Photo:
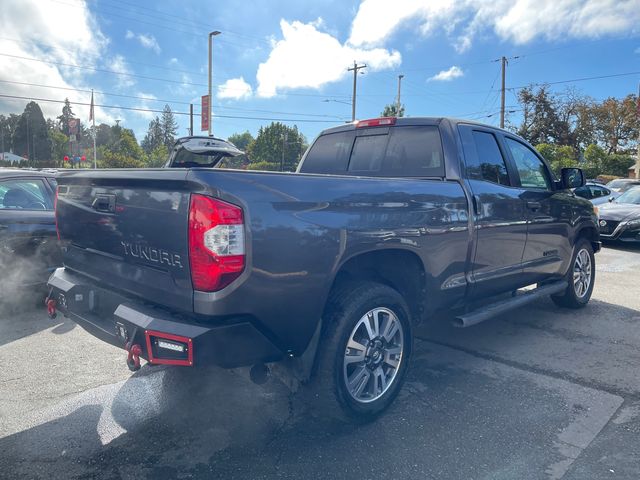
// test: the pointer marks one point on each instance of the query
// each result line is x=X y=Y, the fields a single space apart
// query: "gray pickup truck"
x=326 y=270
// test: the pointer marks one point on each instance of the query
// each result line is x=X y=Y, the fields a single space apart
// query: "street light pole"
x=211 y=35
x=354 y=69
x=400 y=77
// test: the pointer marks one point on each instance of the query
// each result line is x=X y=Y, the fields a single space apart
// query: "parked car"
x=622 y=184
x=595 y=193
x=28 y=243
x=620 y=219
x=326 y=270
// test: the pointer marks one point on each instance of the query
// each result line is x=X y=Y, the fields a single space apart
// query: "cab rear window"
x=402 y=151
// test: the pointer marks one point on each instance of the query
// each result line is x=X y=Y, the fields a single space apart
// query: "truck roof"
x=412 y=121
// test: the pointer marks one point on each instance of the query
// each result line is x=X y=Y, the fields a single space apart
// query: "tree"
x=31 y=138
x=104 y=135
x=169 y=127
x=158 y=157
x=558 y=156
x=616 y=123
x=242 y=141
x=59 y=147
x=67 y=114
x=272 y=141
x=154 y=137
x=124 y=152
x=391 y=110
x=7 y=128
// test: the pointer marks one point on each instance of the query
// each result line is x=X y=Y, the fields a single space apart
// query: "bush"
x=274 y=167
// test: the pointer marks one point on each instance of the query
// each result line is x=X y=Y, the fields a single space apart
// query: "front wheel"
x=364 y=353
x=581 y=278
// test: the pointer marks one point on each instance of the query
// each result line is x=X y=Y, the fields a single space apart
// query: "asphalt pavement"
x=537 y=393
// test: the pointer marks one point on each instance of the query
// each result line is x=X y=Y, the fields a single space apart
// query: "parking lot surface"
x=537 y=393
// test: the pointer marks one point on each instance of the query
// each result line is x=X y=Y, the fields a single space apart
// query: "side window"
x=329 y=154
x=367 y=154
x=24 y=194
x=532 y=172
x=584 y=192
x=414 y=152
x=490 y=164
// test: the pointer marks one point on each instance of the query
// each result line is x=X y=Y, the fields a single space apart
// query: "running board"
x=493 y=309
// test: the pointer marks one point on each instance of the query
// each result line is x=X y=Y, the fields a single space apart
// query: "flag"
x=91 y=108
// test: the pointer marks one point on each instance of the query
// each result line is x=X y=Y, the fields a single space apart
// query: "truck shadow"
x=21 y=319
x=211 y=423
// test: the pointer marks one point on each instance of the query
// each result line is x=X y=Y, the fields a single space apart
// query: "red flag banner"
x=205 y=115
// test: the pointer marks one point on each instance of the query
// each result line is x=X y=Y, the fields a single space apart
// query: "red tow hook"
x=51 y=307
x=133 y=356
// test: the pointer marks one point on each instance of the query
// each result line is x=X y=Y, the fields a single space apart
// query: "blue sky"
x=288 y=59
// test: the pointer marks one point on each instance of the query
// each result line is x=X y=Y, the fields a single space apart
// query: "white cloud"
x=519 y=21
x=147 y=41
x=118 y=64
x=309 y=58
x=447 y=75
x=46 y=40
x=144 y=104
x=235 y=88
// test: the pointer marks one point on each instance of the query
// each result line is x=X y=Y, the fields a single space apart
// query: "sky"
x=287 y=60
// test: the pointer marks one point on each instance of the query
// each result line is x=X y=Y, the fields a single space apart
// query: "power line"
x=160 y=100
x=138 y=109
x=161 y=67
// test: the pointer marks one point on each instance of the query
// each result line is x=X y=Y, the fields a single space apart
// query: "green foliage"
x=59 y=147
x=391 y=110
x=242 y=141
x=124 y=152
x=272 y=141
x=558 y=156
x=616 y=164
x=274 y=167
x=154 y=137
x=67 y=114
x=31 y=137
x=168 y=127
x=158 y=157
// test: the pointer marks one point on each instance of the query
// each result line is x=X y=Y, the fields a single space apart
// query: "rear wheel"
x=581 y=278
x=364 y=353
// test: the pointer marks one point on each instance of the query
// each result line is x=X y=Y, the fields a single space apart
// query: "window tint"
x=368 y=153
x=23 y=194
x=329 y=153
x=489 y=164
x=584 y=192
x=414 y=152
x=532 y=172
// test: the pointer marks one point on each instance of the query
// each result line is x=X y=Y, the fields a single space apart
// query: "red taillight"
x=55 y=211
x=376 y=122
x=216 y=243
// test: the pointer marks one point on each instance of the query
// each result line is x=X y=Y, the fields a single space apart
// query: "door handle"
x=534 y=205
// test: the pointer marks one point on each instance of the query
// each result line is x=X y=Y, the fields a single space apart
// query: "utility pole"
x=34 y=148
x=285 y=138
x=504 y=67
x=191 y=119
x=400 y=77
x=638 y=122
x=28 y=152
x=354 y=69
x=211 y=35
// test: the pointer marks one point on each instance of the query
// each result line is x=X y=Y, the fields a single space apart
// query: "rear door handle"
x=534 y=205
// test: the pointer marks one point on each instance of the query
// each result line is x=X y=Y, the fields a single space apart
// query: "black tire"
x=572 y=296
x=347 y=308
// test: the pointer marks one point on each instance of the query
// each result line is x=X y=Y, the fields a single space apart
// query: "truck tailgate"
x=130 y=232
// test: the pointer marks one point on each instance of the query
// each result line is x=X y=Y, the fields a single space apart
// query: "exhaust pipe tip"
x=259 y=374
